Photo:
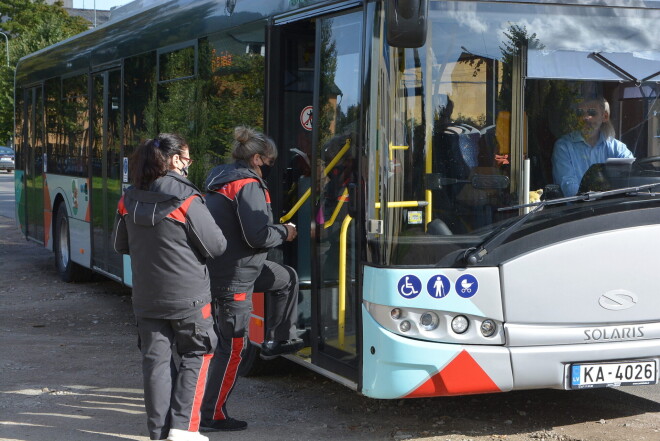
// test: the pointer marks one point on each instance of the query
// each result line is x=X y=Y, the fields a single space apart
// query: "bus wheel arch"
x=68 y=270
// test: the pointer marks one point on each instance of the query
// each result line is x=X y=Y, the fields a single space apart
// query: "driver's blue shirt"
x=572 y=157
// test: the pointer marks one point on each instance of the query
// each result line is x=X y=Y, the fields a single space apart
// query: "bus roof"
x=160 y=23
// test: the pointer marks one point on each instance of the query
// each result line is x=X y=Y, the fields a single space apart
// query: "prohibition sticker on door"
x=629 y=373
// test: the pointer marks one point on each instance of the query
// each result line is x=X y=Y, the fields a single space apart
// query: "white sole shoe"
x=184 y=435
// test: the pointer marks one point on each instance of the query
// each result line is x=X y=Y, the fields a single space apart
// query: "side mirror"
x=406 y=22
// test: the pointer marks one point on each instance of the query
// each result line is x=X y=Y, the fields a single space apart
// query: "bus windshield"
x=508 y=105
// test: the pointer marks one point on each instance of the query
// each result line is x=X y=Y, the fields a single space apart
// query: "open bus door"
x=313 y=114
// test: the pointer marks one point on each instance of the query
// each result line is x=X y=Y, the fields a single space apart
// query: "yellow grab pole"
x=327 y=169
x=336 y=159
x=341 y=314
x=335 y=213
x=296 y=207
x=428 y=168
x=403 y=204
x=428 y=113
x=396 y=147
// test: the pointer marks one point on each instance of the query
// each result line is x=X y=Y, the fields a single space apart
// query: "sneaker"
x=184 y=435
x=226 y=425
x=270 y=348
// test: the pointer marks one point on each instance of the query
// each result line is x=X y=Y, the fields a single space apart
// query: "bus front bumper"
x=400 y=367
x=537 y=367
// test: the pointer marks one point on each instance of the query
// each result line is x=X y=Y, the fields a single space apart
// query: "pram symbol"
x=467 y=285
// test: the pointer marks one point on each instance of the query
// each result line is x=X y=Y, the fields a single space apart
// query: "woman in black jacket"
x=163 y=223
x=238 y=199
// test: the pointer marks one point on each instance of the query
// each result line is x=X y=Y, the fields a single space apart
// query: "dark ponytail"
x=150 y=161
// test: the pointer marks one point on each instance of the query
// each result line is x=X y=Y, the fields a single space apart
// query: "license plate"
x=631 y=373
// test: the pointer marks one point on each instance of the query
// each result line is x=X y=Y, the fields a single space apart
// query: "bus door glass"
x=21 y=160
x=106 y=167
x=335 y=172
x=35 y=166
x=318 y=134
x=291 y=126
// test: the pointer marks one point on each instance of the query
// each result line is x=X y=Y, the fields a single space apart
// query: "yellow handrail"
x=428 y=168
x=296 y=207
x=403 y=204
x=341 y=313
x=396 y=147
x=327 y=169
x=335 y=213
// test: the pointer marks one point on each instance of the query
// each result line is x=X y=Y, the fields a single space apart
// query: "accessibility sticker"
x=438 y=286
x=409 y=286
x=467 y=285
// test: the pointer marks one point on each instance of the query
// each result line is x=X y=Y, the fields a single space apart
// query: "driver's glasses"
x=588 y=112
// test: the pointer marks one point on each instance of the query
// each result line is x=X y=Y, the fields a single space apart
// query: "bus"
x=441 y=249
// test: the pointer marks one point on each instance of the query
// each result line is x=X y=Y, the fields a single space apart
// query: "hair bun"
x=243 y=134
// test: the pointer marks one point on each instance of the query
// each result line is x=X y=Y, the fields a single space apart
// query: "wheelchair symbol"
x=409 y=286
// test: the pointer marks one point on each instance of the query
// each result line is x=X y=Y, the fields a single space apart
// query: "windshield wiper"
x=477 y=254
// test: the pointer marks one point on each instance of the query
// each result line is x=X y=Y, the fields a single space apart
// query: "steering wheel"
x=648 y=160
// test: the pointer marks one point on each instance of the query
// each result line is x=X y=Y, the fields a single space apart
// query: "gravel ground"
x=70 y=370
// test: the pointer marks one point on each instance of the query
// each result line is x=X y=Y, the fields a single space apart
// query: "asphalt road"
x=7 y=194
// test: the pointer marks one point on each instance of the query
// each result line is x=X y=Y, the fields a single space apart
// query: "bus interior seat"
x=438 y=228
x=456 y=148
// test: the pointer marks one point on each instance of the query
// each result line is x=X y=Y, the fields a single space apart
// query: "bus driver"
x=594 y=143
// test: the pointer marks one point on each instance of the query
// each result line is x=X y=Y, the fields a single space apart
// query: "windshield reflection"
x=514 y=104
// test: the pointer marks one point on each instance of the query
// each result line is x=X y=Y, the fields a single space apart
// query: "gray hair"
x=249 y=142
x=606 y=128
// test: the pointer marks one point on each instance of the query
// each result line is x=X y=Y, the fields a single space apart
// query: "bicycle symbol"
x=409 y=286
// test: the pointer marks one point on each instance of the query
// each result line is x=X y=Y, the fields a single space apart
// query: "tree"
x=31 y=25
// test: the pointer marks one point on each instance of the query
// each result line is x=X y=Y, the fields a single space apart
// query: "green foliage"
x=30 y=25
x=329 y=89
x=516 y=43
x=204 y=110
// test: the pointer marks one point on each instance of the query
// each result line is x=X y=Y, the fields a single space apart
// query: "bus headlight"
x=437 y=325
x=429 y=321
x=460 y=324
x=488 y=328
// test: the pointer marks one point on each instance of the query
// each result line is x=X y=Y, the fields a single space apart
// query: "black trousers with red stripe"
x=173 y=394
x=232 y=315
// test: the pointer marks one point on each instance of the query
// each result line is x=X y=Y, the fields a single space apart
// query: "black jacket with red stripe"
x=239 y=201
x=169 y=234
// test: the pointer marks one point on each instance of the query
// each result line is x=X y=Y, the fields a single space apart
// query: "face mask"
x=184 y=170
x=265 y=170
